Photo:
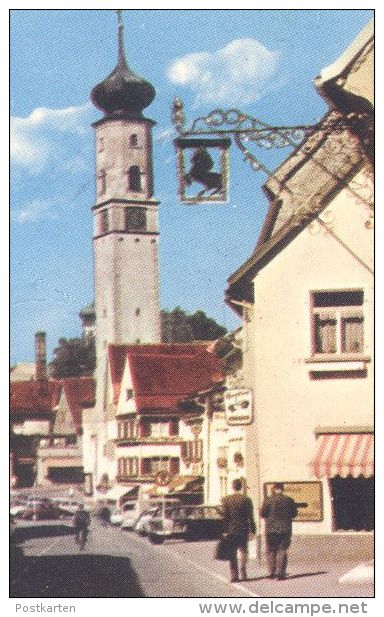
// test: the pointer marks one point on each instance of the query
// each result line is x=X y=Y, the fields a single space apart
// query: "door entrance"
x=353 y=503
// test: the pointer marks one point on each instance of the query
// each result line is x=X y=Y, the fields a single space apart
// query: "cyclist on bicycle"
x=81 y=522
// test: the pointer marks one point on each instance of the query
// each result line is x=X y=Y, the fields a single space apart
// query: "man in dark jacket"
x=81 y=522
x=239 y=523
x=278 y=511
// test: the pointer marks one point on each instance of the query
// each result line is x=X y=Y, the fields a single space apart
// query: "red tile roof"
x=34 y=398
x=164 y=374
x=80 y=393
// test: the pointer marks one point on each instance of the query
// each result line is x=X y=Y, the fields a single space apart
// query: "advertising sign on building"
x=307 y=495
x=238 y=405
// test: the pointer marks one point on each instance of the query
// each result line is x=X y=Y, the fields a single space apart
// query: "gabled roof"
x=163 y=374
x=80 y=394
x=314 y=173
x=299 y=190
x=34 y=399
x=361 y=45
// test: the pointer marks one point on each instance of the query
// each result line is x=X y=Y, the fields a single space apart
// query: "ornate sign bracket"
x=247 y=130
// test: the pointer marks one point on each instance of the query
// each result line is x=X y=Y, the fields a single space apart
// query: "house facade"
x=306 y=298
x=149 y=440
x=60 y=453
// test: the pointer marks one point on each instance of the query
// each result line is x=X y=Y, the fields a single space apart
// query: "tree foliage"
x=75 y=357
x=178 y=326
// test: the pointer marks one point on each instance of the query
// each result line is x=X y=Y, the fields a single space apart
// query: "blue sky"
x=260 y=61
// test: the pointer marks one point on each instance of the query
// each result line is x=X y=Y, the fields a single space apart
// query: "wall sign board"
x=238 y=405
x=309 y=493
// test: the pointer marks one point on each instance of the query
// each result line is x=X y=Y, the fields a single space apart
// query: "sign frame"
x=302 y=517
x=242 y=414
x=186 y=177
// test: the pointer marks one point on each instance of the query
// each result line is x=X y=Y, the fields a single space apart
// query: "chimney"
x=41 y=357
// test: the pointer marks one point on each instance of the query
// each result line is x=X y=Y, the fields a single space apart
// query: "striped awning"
x=344 y=454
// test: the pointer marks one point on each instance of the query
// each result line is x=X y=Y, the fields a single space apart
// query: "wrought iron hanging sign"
x=203 y=169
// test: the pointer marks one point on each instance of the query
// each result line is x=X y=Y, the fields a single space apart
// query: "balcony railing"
x=63 y=451
x=150 y=439
x=136 y=478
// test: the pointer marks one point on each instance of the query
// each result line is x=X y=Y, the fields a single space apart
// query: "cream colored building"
x=306 y=297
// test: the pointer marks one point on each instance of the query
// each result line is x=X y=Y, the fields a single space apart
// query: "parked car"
x=116 y=517
x=67 y=506
x=132 y=510
x=131 y=513
x=17 y=505
x=188 y=522
x=37 y=510
x=141 y=525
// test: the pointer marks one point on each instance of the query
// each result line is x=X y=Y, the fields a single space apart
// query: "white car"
x=130 y=514
x=17 y=506
x=141 y=525
x=117 y=516
x=69 y=506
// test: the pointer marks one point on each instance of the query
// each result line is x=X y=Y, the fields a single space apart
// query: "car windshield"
x=129 y=506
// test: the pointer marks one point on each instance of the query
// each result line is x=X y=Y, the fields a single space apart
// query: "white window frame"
x=340 y=314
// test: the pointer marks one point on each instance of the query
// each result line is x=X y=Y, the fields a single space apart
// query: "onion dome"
x=123 y=93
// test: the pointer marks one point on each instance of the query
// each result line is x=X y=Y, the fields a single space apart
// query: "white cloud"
x=35 y=210
x=35 y=139
x=239 y=73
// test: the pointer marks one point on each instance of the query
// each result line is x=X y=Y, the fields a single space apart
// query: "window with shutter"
x=174 y=466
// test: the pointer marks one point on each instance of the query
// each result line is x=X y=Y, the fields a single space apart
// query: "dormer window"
x=134 y=179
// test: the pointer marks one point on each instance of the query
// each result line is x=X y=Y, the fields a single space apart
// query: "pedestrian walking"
x=104 y=514
x=239 y=526
x=278 y=510
x=81 y=523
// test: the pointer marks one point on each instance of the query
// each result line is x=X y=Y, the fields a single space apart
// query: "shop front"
x=346 y=461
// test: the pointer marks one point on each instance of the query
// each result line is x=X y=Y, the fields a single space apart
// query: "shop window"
x=338 y=322
x=134 y=179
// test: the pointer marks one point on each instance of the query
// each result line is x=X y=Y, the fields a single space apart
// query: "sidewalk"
x=335 y=565
x=315 y=566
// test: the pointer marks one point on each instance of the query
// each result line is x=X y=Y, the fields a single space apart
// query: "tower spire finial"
x=121 y=55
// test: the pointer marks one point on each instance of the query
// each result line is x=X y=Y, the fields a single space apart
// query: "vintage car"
x=141 y=526
x=37 y=510
x=188 y=522
x=68 y=507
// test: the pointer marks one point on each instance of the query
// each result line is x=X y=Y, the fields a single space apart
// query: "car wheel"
x=156 y=539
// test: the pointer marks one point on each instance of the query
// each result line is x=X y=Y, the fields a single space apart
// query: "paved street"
x=117 y=563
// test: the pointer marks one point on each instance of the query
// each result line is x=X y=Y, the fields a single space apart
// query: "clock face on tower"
x=135 y=219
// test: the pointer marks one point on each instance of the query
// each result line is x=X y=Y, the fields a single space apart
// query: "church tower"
x=125 y=213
